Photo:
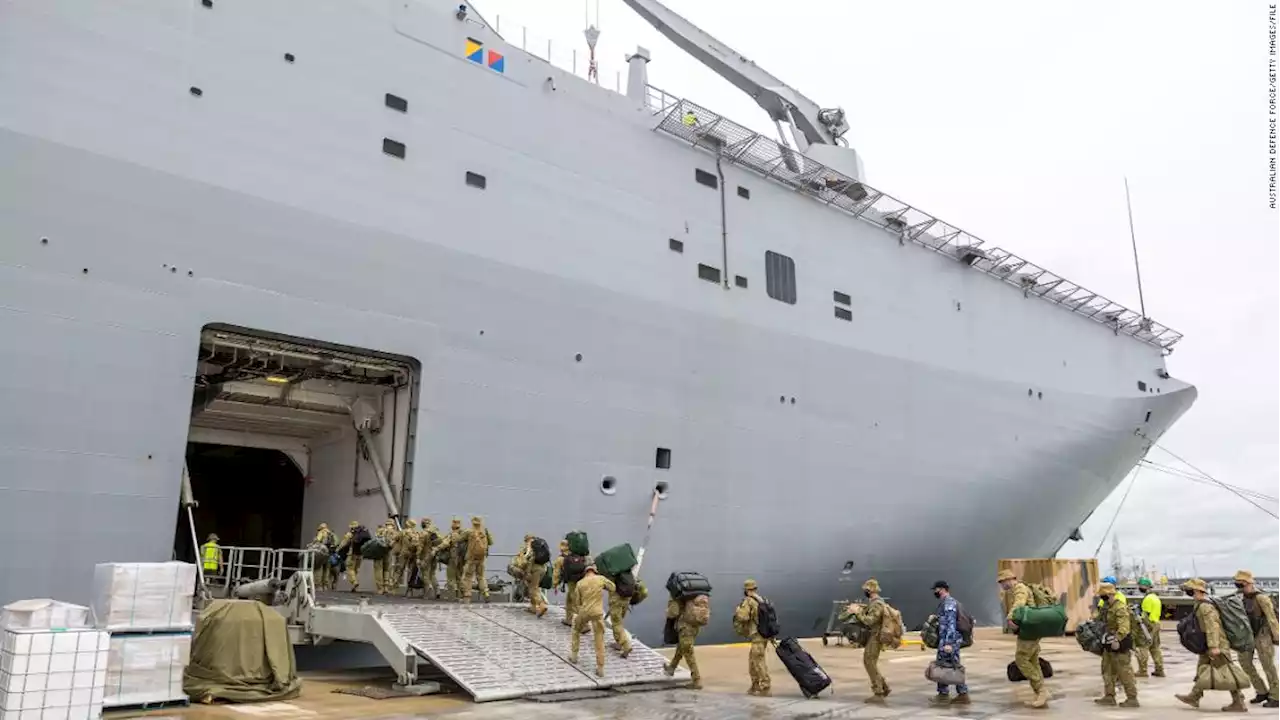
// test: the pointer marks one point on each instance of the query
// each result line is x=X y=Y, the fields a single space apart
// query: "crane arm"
x=818 y=126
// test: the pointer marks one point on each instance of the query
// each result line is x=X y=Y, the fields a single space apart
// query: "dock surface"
x=1076 y=681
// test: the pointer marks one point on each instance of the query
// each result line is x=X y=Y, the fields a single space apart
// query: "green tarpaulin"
x=241 y=652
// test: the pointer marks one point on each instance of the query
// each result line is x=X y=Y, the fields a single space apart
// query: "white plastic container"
x=145 y=669
x=143 y=596
x=44 y=614
x=53 y=674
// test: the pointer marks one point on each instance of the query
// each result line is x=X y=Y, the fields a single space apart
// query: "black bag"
x=1192 y=636
x=415 y=578
x=687 y=584
x=626 y=584
x=964 y=623
x=810 y=676
x=545 y=582
x=359 y=536
x=1015 y=674
x=541 y=553
x=575 y=566
x=669 y=634
x=766 y=619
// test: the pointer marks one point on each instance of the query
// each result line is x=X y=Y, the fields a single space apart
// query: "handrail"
x=746 y=148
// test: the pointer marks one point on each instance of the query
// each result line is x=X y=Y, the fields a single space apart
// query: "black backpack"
x=541 y=553
x=766 y=619
x=1192 y=636
x=359 y=536
x=626 y=584
x=964 y=624
x=575 y=566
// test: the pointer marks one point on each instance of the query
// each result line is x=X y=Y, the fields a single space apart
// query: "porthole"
x=609 y=485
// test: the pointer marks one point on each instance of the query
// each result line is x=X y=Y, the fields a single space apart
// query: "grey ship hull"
x=924 y=441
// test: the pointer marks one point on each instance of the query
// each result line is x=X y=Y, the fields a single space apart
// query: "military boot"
x=960 y=699
x=599 y=671
x=1191 y=700
x=1158 y=673
x=1271 y=703
x=1108 y=700
x=1237 y=704
x=1258 y=699
x=876 y=699
x=668 y=669
x=941 y=699
x=1040 y=700
x=697 y=681
x=1130 y=702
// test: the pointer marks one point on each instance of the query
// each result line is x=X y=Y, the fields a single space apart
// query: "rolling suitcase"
x=810 y=676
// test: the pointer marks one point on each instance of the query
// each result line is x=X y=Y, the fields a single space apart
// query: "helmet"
x=213 y=538
x=1144 y=582
x=1110 y=579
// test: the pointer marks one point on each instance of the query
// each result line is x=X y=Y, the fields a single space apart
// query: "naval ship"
x=432 y=274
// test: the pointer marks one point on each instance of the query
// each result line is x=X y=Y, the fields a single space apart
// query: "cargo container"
x=1074 y=581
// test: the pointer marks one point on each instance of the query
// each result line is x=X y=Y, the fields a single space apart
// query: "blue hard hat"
x=1110 y=579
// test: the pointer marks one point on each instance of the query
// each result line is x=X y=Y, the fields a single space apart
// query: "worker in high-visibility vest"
x=211 y=555
x=1151 y=612
x=689 y=119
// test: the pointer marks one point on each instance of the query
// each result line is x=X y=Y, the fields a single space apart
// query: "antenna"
x=1133 y=238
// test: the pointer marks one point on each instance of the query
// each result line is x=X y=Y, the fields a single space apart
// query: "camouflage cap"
x=1243 y=576
x=354 y=524
x=456 y=522
x=409 y=523
x=590 y=568
x=1144 y=582
x=871 y=586
x=322 y=526
x=475 y=520
x=749 y=584
x=528 y=537
x=564 y=545
x=1005 y=574
x=1195 y=584
x=1106 y=589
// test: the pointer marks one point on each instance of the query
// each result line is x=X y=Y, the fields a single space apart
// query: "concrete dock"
x=1075 y=683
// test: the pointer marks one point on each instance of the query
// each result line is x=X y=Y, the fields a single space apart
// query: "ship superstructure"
x=379 y=239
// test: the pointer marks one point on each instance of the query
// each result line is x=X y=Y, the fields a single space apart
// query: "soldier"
x=591 y=589
x=406 y=554
x=691 y=615
x=478 y=540
x=1027 y=654
x=1115 y=653
x=1262 y=620
x=533 y=573
x=388 y=534
x=325 y=573
x=558 y=579
x=350 y=550
x=949 y=640
x=516 y=569
x=871 y=615
x=1215 y=638
x=452 y=558
x=746 y=622
x=1151 y=611
x=427 y=563
x=618 y=608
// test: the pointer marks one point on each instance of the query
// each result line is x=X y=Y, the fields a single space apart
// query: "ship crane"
x=818 y=132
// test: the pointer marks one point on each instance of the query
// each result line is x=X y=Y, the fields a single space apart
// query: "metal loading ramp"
x=500 y=652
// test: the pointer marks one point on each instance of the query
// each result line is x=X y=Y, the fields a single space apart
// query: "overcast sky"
x=1017 y=121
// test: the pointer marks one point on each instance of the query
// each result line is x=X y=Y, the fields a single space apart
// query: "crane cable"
x=1211 y=478
x=1187 y=475
x=1117 y=513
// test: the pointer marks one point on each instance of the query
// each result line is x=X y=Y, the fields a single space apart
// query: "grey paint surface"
x=996 y=428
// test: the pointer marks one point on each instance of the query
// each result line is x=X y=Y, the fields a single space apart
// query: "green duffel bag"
x=616 y=560
x=1035 y=623
x=375 y=549
x=578 y=544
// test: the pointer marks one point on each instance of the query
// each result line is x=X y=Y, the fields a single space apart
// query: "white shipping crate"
x=52 y=674
x=143 y=596
x=43 y=614
x=145 y=669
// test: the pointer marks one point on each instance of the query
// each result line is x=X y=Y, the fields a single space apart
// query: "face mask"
x=937 y=594
x=1190 y=593
x=866 y=593
x=1239 y=586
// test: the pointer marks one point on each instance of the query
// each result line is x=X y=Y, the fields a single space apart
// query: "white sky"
x=1017 y=121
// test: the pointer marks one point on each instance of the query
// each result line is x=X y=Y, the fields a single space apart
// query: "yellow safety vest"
x=210 y=552
x=1152 y=607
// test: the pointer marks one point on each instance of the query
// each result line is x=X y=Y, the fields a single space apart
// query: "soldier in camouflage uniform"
x=871 y=615
x=591 y=589
x=1216 y=639
x=1027 y=654
x=452 y=560
x=687 y=627
x=388 y=533
x=558 y=579
x=533 y=573
x=405 y=554
x=618 y=608
x=325 y=574
x=478 y=540
x=428 y=546
x=352 y=555
x=746 y=622
x=1116 y=666
x=1262 y=620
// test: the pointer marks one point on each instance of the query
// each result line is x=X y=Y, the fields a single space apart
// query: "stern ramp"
x=494 y=652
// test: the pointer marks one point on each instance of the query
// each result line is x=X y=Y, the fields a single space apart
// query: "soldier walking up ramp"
x=500 y=652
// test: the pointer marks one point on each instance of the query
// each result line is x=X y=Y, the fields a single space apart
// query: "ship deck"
x=327 y=696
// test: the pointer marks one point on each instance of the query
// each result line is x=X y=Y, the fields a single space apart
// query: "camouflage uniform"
x=352 y=555
x=533 y=574
x=452 y=565
x=405 y=553
x=1027 y=652
x=688 y=633
x=478 y=540
x=746 y=622
x=1116 y=667
x=1216 y=639
x=591 y=589
x=1262 y=615
x=871 y=615
x=428 y=546
x=324 y=573
x=558 y=579
x=388 y=533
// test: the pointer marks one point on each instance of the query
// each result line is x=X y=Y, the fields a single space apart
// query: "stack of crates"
x=147 y=609
x=52 y=664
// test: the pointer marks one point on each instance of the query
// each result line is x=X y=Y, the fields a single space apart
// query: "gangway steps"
x=500 y=652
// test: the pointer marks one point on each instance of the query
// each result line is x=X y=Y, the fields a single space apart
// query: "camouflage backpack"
x=891 y=627
x=478 y=545
x=697 y=611
x=1042 y=596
